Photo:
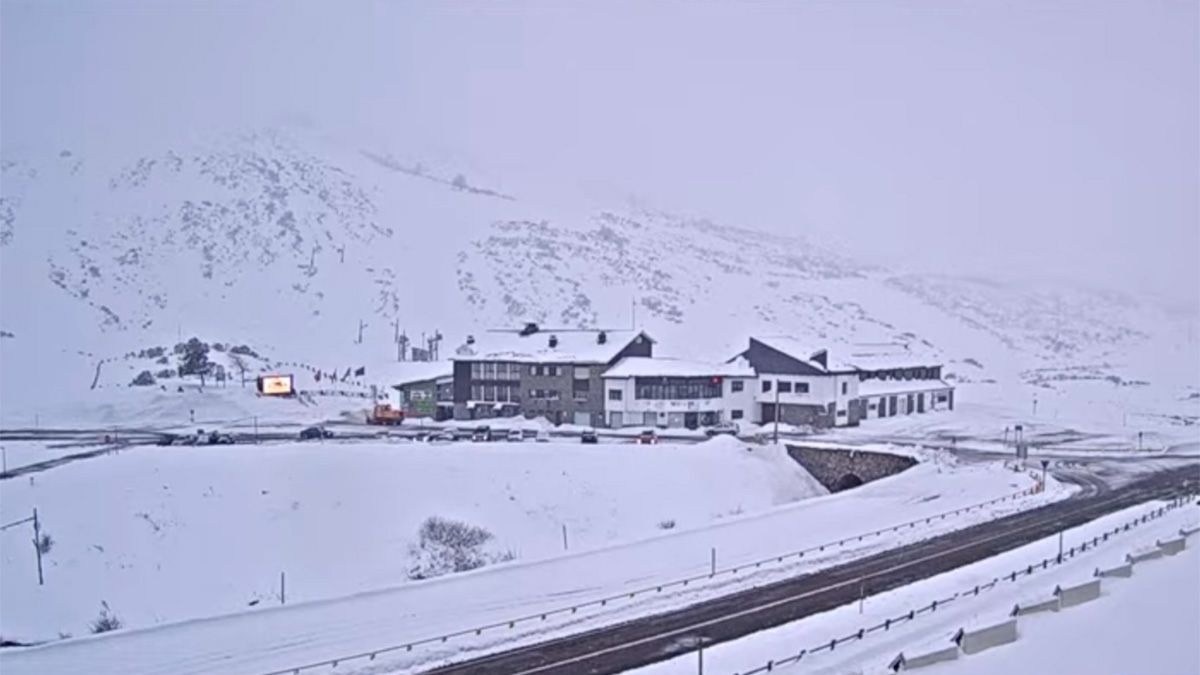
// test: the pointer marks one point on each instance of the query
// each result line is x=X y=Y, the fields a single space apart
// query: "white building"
x=676 y=393
x=808 y=387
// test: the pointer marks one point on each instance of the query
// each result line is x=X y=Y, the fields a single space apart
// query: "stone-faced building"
x=536 y=373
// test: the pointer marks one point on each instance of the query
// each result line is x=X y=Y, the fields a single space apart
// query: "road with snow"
x=656 y=638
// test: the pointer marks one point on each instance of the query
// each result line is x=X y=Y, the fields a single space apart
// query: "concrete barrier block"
x=1142 y=555
x=1035 y=606
x=1186 y=532
x=924 y=658
x=978 y=640
x=1172 y=546
x=1125 y=570
x=1069 y=596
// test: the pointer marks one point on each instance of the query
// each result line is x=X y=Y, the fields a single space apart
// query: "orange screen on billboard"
x=275 y=385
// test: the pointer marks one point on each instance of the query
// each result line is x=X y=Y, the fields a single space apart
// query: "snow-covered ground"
x=220 y=543
x=174 y=533
x=1146 y=623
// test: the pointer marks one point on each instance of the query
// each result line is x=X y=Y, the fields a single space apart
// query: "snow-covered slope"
x=286 y=239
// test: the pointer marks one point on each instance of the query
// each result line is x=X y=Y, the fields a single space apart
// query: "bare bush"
x=44 y=543
x=106 y=621
x=445 y=546
x=666 y=524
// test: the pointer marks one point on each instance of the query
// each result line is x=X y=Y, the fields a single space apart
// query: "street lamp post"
x=1045 y=463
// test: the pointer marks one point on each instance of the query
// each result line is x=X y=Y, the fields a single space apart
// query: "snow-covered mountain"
x=287 y=240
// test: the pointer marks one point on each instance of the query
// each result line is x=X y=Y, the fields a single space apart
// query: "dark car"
x=462 y=434
x=315 y=433
x=589 y=436
x=482 y=434
x=647 y=437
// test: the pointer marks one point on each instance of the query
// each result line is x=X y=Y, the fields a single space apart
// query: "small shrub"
x=243 y=350
x=445 y=546
x=667 y=525
x=106 y=621
x=144 y=379
x=45 y=543
x=165 y=373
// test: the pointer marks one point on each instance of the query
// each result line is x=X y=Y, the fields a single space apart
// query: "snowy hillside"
x=286 y=240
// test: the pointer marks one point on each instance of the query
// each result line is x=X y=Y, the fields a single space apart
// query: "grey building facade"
x=556 y=375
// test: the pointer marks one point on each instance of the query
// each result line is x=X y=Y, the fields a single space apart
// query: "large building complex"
x=611 y=378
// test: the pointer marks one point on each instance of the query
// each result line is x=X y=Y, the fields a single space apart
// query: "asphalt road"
x=656 y=638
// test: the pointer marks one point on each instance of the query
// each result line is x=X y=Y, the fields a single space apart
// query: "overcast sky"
x=1023 y=138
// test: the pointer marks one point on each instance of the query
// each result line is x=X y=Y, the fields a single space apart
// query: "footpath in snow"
x=286 y=637
x=1143 y=623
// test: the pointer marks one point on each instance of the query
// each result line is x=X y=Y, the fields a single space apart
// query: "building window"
x=615 y=394
x=476 y=392
x=476 y=370
x=801 y=387
x=676 y=388
x=582 y=372
x=785 y=387
x=736 y=385
x=841 y=413
x=735 y=414
x=533 y=370
x=766 y=386
x=845 y=388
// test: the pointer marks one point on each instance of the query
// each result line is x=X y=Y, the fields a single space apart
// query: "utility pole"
x=1035 y=404
x=1045 y=463
x=37 y=545
x=862 y=594
x=1060 y=538
x=282 y=589
x=4 y=459
x=713 y=564
x=361 y=325
x=776 y=412
x=256 y=429
x=564 y=531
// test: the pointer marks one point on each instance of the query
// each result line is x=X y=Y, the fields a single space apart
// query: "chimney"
x=601 y=338
x=821 y=357
x=553 y=341
x=470 y=339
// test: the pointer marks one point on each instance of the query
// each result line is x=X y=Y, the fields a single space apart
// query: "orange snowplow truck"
x=385 y=414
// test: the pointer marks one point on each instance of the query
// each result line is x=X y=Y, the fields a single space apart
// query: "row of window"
x=786 y=387
x=490 y=370
x=675 y=388
x=921 y=373
x=498 y=393
x=493 y=370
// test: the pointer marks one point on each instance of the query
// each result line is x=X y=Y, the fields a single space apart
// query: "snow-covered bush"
x=45 y=543
x=667 y=524
x=445 y=546
x=144 y=379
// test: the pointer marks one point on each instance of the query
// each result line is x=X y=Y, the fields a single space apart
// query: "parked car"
x=543 y=436
x=515 y=436
x=216 y=438
x=167 y=439
x=589 y=436
x=647 y=437
x=724 y=428
x=530 y=434
x=446 y=436
x=481 y=434
x=315 y=433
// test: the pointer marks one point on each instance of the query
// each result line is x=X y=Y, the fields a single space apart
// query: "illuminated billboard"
x=275 y=385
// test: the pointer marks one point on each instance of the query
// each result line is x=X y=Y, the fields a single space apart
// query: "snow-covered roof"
x=804 y=352
x=639 y=366
x=576 y=346
x=887 y=361
x=887 y=387
x=400 y=373
x=852 y=359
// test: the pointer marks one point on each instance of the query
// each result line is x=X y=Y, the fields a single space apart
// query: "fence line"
x=731 y=570
x=1028 y=570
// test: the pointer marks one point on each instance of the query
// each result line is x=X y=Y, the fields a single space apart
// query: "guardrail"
x=933 y=606
x=730 y=571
